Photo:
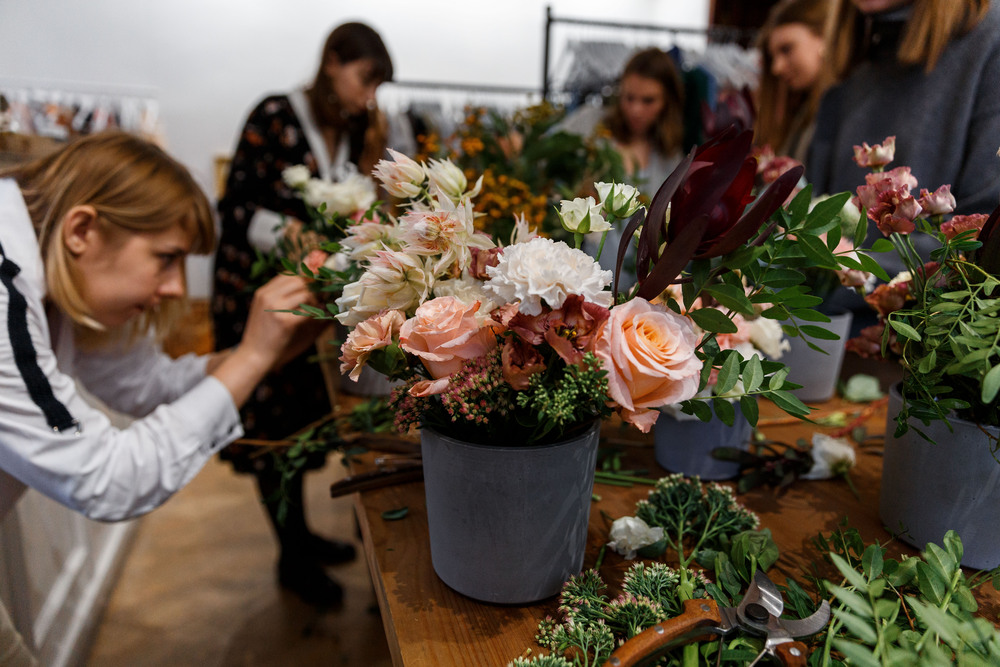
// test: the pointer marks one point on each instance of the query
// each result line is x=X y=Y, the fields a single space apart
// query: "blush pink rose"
x=376 y=332
x=444 y=333
x=649 y=354
x=315 y=259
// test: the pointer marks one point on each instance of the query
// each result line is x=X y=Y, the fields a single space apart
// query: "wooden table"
x=426 y=623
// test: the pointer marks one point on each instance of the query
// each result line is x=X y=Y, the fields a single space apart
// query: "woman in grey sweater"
x=926 y=72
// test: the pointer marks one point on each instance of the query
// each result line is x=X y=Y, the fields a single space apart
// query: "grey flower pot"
x=815 y=371
x=685 y=445
x=508 y=524
x=952 y=484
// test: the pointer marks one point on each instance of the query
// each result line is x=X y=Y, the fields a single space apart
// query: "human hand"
x=270 y=331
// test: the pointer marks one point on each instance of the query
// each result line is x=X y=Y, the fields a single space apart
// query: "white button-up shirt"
x=183 y=416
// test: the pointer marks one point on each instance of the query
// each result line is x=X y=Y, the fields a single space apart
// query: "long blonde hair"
x=930 y=27
x=134 y=186
x=782 y=112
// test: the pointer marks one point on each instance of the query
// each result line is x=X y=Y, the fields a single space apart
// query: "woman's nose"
x=173 y=286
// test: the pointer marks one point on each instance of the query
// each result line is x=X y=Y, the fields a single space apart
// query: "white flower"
x=296 y=176
x=394 y=281
x=901 y=277
x=831 y=456
x=364 y=239
x=338 y=261
x=353 y=194
x=446 y=177
x=618 y=199
x=630 y=533
x=401 y=176
x=767 y=336
x=521 y=233
x=582 y=216
x=546 y=270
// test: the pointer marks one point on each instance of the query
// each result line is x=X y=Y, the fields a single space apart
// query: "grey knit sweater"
x=946 y=122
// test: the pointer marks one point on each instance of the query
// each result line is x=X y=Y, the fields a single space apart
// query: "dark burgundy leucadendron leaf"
x=708 y=195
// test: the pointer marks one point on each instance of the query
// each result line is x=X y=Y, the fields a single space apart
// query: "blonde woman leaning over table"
x=92 y=243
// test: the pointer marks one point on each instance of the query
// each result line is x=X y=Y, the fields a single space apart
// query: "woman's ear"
x=79 y=229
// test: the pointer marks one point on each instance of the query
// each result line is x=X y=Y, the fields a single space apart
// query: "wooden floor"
x=199 y=585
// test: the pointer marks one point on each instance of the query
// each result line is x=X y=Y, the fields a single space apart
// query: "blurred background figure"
x=793 y=76
x=926 y=72
x=334 y=127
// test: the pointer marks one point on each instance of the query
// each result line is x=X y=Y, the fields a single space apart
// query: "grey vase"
x=950 y=484
x=815 y=371
x=685 y=445
x=508 y=524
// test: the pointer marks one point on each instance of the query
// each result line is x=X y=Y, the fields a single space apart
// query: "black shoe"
x=311 y=583
x=330 y=552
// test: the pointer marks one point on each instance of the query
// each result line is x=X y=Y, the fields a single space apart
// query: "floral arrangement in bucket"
x=938 y=317
x=524 y=343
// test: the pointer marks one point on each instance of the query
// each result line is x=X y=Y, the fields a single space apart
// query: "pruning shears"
x=758 y=613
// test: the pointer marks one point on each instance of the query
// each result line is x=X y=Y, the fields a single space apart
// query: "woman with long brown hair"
x=794 y=74
x=333 y=126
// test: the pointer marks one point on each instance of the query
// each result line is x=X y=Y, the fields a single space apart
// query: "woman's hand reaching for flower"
x=272 y=335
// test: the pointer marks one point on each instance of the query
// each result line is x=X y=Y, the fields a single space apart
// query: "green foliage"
x=917 y=611
x=564 y=396
x=949 y=341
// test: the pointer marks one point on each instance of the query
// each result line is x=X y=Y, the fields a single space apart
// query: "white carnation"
x=630 y=533
x=355 y=193
x=546 y=270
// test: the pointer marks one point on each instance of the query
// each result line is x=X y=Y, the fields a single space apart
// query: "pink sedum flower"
x=964 y=223
x=875 y=156
x=649 y=354
x=445 y=333
x=939 y=202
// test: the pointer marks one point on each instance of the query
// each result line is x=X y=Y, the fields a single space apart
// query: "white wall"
x=208 y=61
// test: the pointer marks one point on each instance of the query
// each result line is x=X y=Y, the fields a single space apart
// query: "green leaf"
x=809 y=315
x=872 y=561
x=872 y=266
x=905 y=330
x=729 y=374
x=700 y=410
x=827 y=212
x=882 y=245
x=991 y=384
x=798 y=208
x=713 y=320
x=854 y=578
x=724 y=410
x=932 y=584
x=396 y=514
x=788 y=402
x=941 y=560
x=852 y=600
x=731 y=297
x=861 y=231
x=858 y=627
x=856 y=653
x=779 y=278
x=818 y=332
x=753 y=374
x=817 y=251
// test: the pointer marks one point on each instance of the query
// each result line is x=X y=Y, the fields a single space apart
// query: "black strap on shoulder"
x=56 y=414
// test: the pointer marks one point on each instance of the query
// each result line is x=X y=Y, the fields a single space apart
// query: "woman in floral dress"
x=333 y=127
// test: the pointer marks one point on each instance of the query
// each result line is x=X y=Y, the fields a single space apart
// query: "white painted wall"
x=208 y=61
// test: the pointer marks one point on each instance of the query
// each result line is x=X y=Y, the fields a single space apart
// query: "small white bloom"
x=618 y=199
x=767 y=336
x=401 y=176
x=338 y=261
x=831 y=456
x=355 y=193
x=582 y=216
x=296 y=176
x=546 y=270
x=630 y=533
x=446 y=177
x=901 y=277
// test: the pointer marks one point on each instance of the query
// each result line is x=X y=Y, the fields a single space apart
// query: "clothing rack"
x=711 y=34
x=60 y=110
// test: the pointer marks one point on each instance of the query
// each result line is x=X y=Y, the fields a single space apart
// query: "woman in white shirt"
x=92 y=246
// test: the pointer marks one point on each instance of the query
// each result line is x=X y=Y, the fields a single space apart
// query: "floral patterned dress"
x=273 y=138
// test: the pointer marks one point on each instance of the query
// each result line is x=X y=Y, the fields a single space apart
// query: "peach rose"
x=649 y=353
x=445 y=334
x=374 y=333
